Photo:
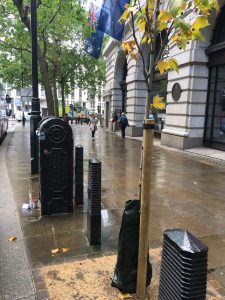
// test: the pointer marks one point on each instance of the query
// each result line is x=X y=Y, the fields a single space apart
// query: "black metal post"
x=79 y=189
x=94 y=203
x=35 y=108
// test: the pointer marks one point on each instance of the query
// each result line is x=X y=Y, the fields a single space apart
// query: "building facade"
x=22 y=98
x=195 y=110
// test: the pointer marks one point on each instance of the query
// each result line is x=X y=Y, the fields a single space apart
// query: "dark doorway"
x=124 y=88
x=214 y=133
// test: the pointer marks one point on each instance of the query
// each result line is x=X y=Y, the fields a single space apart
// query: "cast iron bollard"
x=94 y=203
x=183 y=272
x=56 y=166
x=79 y=190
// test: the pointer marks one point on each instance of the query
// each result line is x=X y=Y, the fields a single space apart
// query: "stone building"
x=195 y=111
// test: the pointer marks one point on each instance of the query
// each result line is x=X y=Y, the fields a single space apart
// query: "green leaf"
x=176 y=7
x=181 y=24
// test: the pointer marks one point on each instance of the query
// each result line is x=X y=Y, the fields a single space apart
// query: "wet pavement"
x=186 y=193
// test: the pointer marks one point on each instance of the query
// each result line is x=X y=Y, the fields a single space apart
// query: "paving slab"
x=15 y=275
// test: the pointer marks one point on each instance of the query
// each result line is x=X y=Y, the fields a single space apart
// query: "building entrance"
x=214 y=134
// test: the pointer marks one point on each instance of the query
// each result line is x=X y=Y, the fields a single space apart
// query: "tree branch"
x=138 y=46
x=53 y=17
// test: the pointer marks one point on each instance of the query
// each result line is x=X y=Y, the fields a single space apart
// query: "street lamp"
x=35 y=106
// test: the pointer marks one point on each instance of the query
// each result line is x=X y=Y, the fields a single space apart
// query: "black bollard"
x=79 y=190
x=183 y=273
x=94 y=203
x=55 y=166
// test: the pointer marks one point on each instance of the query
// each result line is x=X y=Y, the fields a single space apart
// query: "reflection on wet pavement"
x=186 y=193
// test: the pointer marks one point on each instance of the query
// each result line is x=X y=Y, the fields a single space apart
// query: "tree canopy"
x=62 y=30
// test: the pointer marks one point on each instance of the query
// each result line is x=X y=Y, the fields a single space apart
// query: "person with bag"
x=93 y=126
x=114 y=120
x=123 y=124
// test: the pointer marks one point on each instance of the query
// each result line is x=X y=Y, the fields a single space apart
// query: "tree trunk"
x=46 y=82
x=56 y=103
x=23 y=12
x=145 y=180
x=63 y=98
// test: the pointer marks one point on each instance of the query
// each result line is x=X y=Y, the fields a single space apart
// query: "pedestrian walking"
x=114 y=120
x=123 y=124
x=93 y=126
x=23 y=119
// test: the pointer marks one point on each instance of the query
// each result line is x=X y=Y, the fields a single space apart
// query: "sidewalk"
x=186 y=193
x=15 y=275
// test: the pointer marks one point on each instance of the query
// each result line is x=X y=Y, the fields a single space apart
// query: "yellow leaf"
x=54 y=251
x=125 y=296
x=200 y=22
x=215 y=4
x=12 y=238
x=175 y=37
x=157 y=102
x=196 y=35
x=125 y=16
x=173 y=65
x=144 y=40
x=164 y=16
x=128 y=46
x=64 y=250
x=142 y=24
x=151 y=4
x=149 y=40
x=206 y=6
x=162 y=66
x=161 y=26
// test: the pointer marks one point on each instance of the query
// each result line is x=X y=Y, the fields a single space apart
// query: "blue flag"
x=111 y=12
x=93 y=44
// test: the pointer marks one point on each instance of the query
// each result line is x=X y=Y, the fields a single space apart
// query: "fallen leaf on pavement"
x=64 y=250
x=55 y=250
x=125 y=296
x=12 y=238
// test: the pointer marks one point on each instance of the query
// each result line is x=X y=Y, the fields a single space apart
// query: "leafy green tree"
x=62 y=29
x=171 y=27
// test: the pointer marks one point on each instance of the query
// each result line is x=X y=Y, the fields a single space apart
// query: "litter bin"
x=55 y=166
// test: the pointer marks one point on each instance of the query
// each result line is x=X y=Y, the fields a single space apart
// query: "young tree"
x=177 y=25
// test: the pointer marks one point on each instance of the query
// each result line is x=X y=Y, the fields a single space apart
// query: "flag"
x=93 y=44
x=110 y=14
x=93 y=16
